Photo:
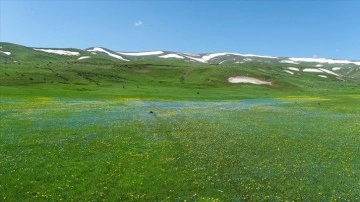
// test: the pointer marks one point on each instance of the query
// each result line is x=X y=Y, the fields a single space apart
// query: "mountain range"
x=322 y=67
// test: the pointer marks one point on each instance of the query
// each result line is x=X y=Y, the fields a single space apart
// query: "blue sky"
x=301 y=28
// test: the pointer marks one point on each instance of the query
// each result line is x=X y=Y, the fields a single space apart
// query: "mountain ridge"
x=324 y=67
x=206 y=55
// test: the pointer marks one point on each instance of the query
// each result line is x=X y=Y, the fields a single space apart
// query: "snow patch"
x=324 y=60
x=142 y=53
x=197 y=59
x=290 y=72
x=252 y=55
x=330 y=72
x=319 y=65
x=213 y=55
x=289 y=62
x=59 y=52
x=311 y=70
x=323 y=76
x=222 y=62
x=336 y=68
x=6 y=53
x=172 y=55
x=244 y=79
x=83 y=57
x=294 y=68
x=107 y=52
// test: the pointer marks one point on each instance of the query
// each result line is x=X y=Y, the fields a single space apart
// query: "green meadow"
x=168 y=130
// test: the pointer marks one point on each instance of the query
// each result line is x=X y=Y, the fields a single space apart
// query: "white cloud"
x=138 y=23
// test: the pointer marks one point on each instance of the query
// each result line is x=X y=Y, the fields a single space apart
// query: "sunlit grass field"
x=167 y=130
x=274 y=149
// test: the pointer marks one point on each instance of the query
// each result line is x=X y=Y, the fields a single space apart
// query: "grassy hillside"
x=160 y=79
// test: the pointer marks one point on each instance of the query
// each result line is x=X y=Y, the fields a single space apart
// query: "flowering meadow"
x=283 y=149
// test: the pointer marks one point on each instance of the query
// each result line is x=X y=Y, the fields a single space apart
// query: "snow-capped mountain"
x=323 y=67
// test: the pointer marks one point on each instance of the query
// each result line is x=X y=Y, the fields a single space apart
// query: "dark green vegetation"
x=81 y=130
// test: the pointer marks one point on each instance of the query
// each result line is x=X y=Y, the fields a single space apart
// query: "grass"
x=82 y=131
x=95 y=150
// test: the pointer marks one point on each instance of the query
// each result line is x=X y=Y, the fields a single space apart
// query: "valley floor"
x=169 y=130
x=302 y=148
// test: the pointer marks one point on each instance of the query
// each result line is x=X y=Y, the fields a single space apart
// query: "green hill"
x=101 y=75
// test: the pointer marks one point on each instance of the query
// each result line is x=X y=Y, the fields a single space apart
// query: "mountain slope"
x=315 y=68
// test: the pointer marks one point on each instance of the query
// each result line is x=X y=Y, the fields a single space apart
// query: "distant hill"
x=323 y=68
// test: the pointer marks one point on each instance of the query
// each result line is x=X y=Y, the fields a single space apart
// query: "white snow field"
x=83 y=57
x=197 y=59
x=312 y=70
x=205 y=58
x=289 y=62
x=336 y=68
x=172 y=55
x=97 y=49
x=244 y=79
x=330 y=72
x=214 y=55
x=324 y=60
x=6 y=53
x=293 y=68
x=146 y=53
x=290 y=72
x=59 y=52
